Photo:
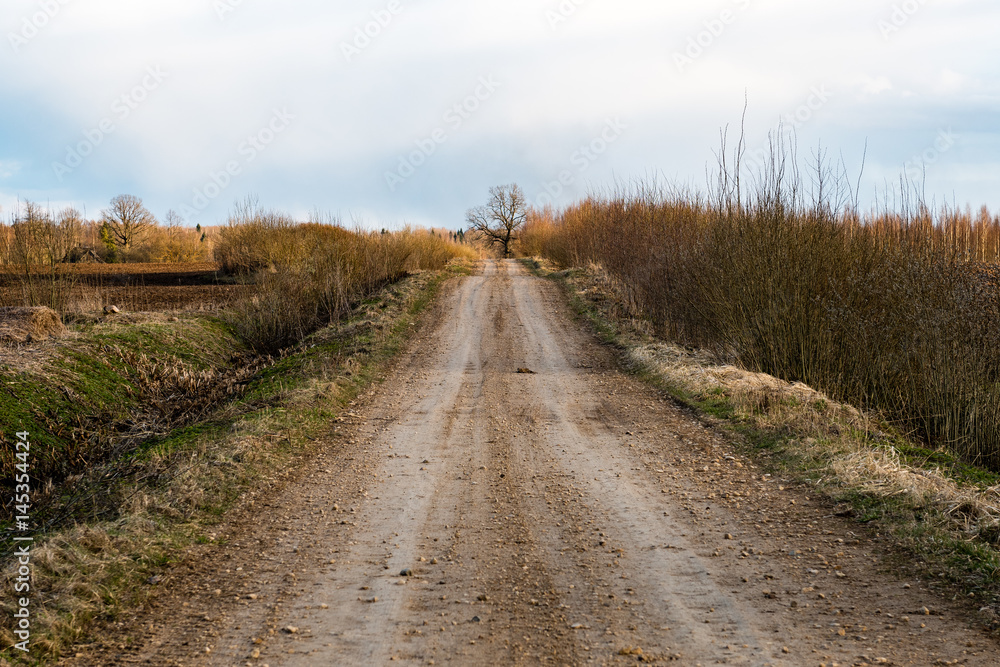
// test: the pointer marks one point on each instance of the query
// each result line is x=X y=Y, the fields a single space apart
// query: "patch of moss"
x=718 y=407
x=951 y=465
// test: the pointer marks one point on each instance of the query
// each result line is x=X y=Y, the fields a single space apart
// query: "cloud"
x=357 y=116
x=8 y=168
x=875 y=85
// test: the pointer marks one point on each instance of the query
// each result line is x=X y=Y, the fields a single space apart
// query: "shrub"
x=302 y=276
x=895 y=311
x=172 y=244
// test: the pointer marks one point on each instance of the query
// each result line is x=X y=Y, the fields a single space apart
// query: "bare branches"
x=127 y=220
x=499 y=220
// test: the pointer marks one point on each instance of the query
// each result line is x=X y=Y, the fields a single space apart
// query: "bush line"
x=892 y=312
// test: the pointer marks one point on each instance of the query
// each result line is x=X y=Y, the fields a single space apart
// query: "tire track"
x=509 y=498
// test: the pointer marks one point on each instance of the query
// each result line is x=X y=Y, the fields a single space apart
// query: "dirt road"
x=472 y=514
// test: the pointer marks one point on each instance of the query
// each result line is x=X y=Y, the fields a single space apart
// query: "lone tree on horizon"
x=500 y=219
x=127 y=220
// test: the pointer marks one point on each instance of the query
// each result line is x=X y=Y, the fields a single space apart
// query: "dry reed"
x=895 y=312
x=303 y=276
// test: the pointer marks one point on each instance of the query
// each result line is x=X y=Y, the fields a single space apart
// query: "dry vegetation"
x=307 y=275
x=943 y=515
x=895 y=312
x=38 y=237
x=99 y=395
x=73 y=265
x=193 y=439
x=281 y=278
x=775 y=310
x=146 y=424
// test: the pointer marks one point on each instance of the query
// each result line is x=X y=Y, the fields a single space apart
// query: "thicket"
x=894 y=310
x=39 y=247
x=298 y=276
x=40 y=237
x=303 y=275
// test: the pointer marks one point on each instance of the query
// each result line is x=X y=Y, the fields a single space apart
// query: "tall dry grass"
x=302 y=276
x=895 y=311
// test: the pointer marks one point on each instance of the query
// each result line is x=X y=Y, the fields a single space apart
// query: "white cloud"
x=353 y=119
x=875 y=85
x=8 y=168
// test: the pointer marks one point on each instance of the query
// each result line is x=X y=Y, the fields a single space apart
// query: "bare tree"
x=127 y=220
x=70 y=234
x=501 y=218
x=174 y=219
x=33 y=249
x=32 y=232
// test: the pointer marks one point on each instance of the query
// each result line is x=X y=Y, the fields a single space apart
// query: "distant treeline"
x=126 y=231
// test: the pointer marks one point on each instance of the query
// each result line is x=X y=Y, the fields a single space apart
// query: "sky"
x=391 y=112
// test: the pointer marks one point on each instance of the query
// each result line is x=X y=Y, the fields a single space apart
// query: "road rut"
x=509 y=497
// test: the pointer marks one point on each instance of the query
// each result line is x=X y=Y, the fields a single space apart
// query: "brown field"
x=153 y=273
x=132 y=287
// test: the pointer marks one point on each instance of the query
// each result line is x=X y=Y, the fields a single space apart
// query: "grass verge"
x=176 y=487
x=942 y=515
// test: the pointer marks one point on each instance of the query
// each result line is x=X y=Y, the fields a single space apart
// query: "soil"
x=510 y=497
x=154 y=272
x=135 y=287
